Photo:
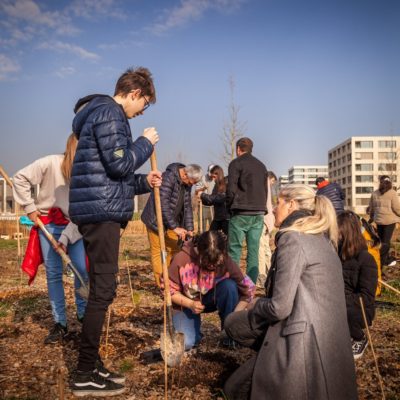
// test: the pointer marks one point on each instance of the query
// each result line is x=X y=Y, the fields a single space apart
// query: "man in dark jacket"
x=177 y=213
x=103 y=184
x=246 y=197
x=333 y=192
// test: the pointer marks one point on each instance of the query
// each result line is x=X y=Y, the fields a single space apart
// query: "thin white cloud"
x=7 y=67
x=93 y=9
x=190 y=10
x=30 y=12
x=69 y=48
x=63 y=72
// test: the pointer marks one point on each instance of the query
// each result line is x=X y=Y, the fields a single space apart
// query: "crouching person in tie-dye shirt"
x=203 y=279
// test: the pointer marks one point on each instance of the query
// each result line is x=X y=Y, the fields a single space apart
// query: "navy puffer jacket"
x=335 y=194
x=169 y=194
x=103 y=182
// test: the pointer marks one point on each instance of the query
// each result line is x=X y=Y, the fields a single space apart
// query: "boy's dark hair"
x=136 y=78
x=319 y=180
x=385 y=184
x=350 y=237
x=212 y=248
x=245 y=144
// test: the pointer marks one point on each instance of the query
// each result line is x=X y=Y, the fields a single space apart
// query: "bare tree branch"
x=233 y=129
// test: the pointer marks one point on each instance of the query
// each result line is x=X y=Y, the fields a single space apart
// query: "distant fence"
x=8 y=228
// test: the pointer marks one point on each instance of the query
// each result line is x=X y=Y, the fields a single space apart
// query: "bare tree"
x=233 y=129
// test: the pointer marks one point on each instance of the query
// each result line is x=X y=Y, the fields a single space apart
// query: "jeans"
x=223 y=298
x=54 y=273
x=249 y=227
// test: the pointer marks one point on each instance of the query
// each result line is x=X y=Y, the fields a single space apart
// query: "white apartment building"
x=283 y=180
x=307 y=174
x=357 y=163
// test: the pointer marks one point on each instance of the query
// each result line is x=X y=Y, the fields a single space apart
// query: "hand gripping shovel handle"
x=84 y=292
x=160 y=228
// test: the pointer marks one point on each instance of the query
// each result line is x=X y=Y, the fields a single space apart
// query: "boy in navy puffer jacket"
x=103 y=184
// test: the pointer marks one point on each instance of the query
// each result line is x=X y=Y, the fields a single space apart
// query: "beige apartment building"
x=357 y=163
x=307 y=174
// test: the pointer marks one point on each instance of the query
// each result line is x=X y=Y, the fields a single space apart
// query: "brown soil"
x=31 y=370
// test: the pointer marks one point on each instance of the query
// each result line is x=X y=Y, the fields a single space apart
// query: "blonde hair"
x=70 y=150
x=323 y=218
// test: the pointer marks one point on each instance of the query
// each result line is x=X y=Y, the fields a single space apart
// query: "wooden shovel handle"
x=160 y=228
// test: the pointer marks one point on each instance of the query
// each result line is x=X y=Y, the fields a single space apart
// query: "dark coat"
x=169 y=194
x=306 y=353
x=103 y=181
x=335 y=194
x=360 y=279
x=247 y=185
x=216 y=199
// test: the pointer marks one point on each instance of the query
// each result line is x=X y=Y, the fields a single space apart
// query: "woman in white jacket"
x=52 y=174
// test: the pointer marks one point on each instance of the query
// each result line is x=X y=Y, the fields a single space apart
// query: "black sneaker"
x=359 y=347
x=106 y=374
x=92 y=384
x=56 y=334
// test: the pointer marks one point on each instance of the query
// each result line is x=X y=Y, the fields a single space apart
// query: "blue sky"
x=308 y=74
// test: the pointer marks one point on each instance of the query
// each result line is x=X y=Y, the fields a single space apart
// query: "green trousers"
x=249 y=227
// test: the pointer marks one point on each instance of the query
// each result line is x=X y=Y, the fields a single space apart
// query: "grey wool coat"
x=306 y=353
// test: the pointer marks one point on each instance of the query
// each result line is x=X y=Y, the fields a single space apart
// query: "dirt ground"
x=31 y=370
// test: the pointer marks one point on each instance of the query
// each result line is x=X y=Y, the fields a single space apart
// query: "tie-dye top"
x=186 y=277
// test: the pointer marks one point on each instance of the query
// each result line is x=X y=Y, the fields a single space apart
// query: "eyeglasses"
x=146 y=104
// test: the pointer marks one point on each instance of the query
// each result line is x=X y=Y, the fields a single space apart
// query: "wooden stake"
x=389 y=286
x=372 y=347
x=60 y=382
x=9 y=183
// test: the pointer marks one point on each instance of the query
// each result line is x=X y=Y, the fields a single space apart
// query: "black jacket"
x=169 y=194
x=216 y=199
x=360 y=276
x=335 y=194
x=103 y=181
x=247 y=185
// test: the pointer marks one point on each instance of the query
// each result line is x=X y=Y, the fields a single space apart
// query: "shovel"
x=83 y=290
x=172 y=342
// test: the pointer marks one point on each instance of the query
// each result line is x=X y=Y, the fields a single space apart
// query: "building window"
x=387 y=156
x=338 y=150
x=348 y=157
x=338 y=161
x=344 y=181
x=364 y=144
x=343 y=159
x=343 y=170
x=386 y=144
x=362 y=202
x=334 y=163
x=349 y=169
x=387 y=167
x=364 y=178
x=365 y=167
x=364 y=189
x=364 y=156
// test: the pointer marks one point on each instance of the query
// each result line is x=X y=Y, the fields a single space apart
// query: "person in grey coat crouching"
x=300 y=328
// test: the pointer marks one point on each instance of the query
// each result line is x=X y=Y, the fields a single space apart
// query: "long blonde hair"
x=69 y=154
x=323 y=218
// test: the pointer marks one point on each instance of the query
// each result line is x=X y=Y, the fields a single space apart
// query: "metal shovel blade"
x=172 y=348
